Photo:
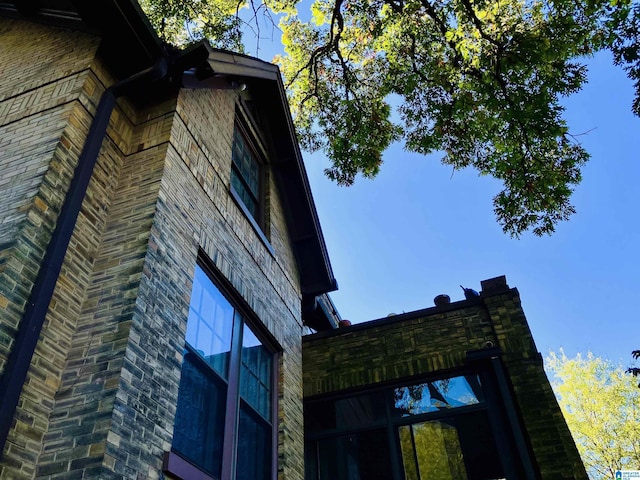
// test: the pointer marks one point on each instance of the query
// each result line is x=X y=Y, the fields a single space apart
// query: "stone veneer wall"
x=48 y=95
x=84 y=417
x=195 y=211
x=436 y=339
x=548 y=433
x=100 y=398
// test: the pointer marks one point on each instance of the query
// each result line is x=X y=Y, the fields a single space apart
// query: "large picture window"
x=224 y=422
x=432 y=430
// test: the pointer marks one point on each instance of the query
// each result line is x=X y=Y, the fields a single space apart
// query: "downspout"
x=530 y=470
x=499 y=396
x=17 y=366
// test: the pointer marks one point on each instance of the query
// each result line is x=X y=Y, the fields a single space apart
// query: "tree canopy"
x=601 y=405
x=479 y=81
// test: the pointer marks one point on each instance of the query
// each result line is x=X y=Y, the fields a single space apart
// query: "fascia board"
x=223 y=62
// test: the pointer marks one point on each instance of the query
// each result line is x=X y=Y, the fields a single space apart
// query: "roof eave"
x=129 y=44
x=302 y=218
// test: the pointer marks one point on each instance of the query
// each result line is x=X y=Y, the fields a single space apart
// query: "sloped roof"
x=265 y=81
x=130 y=44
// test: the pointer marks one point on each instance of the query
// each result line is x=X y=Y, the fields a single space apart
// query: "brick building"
x=452 y=391
x=161 y=259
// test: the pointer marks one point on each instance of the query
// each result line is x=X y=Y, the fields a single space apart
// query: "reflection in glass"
x=478 y=446
x=255 y=374
x=206 y=391
x=436 y=395
x=360 y=410
x=210 y=323
x=254 y=428
x=362 y=456
x=459 y=444
x=245 y=173
x=431 y=451
x=200 y=416
x=254 y=446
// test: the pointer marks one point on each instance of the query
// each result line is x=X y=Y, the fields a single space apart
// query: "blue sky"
x=419 y=229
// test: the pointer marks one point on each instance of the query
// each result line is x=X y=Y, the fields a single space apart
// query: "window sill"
x=178 y=467
x=238 y=201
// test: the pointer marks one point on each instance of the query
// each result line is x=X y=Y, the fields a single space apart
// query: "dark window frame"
x=181 y=467
x=489 y=406
x=245 y=126
x=242 y=131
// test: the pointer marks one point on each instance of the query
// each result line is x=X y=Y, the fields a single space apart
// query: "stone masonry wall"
x=437 y=339
x=403 y=346
x=195 y=211
x=84 y=415
x=113 y=414
x=47 y=99
x=55 y=83
x=99 y=401
x=550 y=438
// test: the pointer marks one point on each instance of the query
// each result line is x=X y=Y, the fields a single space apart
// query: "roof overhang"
x=129 y=43
x=264 y=81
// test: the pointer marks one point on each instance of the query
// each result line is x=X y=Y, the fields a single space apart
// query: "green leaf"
x=479 y=82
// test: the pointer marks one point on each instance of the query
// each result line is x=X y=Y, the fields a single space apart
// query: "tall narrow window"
x=225 y=400
x=254 y=432
x=246 y=173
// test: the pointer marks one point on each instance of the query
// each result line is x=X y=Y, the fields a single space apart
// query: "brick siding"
x=101 y=392
x=434 y=341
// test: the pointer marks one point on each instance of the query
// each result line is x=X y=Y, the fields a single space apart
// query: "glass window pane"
x=199 y=427
x=360 y=411
x=199 y=423
x=478 y=446
x=245 y=173
x=237 y=151
x=435 y=449
x=251 y=204
x=362 y=456
x=246 y=164
x=237 y=183
x=345 y=413
x=249 y=201
x=210 y=323
x=319 y=416
x=409 y=460
x=436 y=395
x=254 y=446
x=252 y=178
x=255 y=374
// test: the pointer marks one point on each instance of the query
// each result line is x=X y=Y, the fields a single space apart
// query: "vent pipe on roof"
x=441 y=300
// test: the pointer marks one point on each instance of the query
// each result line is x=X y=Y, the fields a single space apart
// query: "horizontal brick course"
x=100 y=397
x=436 y=340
